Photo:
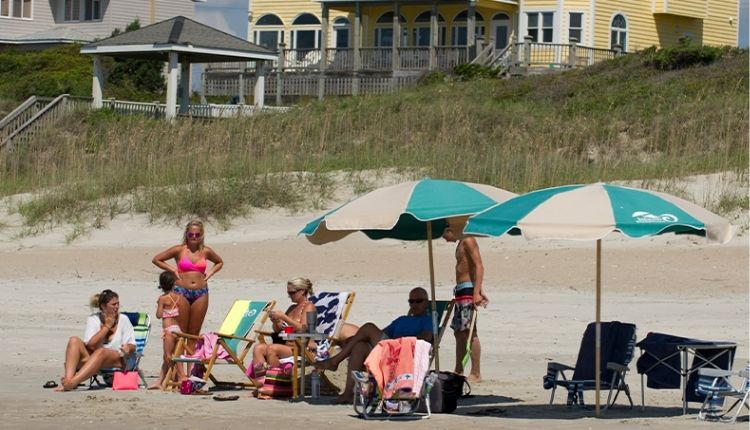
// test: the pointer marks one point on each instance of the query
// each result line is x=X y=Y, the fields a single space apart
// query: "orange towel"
x=391 y=363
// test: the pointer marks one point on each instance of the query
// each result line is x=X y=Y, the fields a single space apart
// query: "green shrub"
x=474 y=71
x=685 y=54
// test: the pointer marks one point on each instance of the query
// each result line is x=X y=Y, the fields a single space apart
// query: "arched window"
x=501 y=30
x=384 y=30
x=341 y=32
x=305 y=32
x=458 y=33
x=421 y=36
x=619 y=32
x=269 y=31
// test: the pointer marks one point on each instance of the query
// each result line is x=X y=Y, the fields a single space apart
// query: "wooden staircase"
x=32 y=115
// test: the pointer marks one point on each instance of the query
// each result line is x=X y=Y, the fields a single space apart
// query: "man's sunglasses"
x=413 y=301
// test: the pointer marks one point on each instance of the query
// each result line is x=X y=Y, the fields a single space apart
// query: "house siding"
x=47 y=14
x=658 y=22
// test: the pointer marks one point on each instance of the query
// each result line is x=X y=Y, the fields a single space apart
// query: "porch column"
x=396 y=35
x=324 y=38
x=171 y=111
x=323 y=51
x=97 y=82
x=260 y=84
x=471 y=26
x=433 y=35
x=241 y=84
x=357 y=41
x=185 y=85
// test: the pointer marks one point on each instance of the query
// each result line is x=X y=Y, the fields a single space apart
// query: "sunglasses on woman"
x=193 y=235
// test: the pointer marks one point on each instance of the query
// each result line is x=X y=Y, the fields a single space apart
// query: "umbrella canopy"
x=590 y=212
x=402 y=211
x=416 y=210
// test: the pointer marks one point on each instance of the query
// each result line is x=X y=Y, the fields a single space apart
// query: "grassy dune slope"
x=614 y=121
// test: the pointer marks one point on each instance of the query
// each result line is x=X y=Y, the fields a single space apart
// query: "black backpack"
x=448 y=388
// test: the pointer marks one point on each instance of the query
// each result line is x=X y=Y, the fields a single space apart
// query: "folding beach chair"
x=235 y=338
x=332 y=309
x=715 y=386
x=380 y=391
x=444 y=311
x=142 y=326
x=617 y=347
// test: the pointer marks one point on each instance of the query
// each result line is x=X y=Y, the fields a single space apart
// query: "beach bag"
x=125 y=381
x=277 y=383
x=448 y=388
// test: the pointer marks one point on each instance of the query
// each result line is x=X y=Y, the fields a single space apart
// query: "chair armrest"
x=186 y=335
x=714 y=373
x=558 y=366
x=617 y=366
x=231 y=336
x=264 y=333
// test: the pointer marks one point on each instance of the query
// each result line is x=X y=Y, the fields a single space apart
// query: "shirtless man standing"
x=468 y=294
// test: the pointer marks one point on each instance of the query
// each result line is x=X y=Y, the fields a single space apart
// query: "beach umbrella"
x=415 y=210
x=590 y=212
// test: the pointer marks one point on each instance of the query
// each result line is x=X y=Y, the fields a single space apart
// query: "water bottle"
x=314 y=384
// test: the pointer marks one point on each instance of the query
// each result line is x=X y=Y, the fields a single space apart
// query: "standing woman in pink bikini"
x=191 y=271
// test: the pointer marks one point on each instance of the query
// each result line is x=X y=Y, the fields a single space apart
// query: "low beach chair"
x=142 y=327
x=383 y=390
x=234 y=339
x=333 y=310
x=444 y=310
x=617 y=349
x=715 y=386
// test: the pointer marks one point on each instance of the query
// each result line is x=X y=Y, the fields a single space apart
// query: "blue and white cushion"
x=329 y=307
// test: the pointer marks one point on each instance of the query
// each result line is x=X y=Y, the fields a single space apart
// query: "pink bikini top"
x=174 y=312
x=185 y=265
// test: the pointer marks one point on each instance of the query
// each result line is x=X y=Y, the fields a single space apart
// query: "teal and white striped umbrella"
x=417 y=210
x=590 y=212
x=403 y=211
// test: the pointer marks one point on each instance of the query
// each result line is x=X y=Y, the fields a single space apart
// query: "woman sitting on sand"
x=295 y=318
x=108 y=341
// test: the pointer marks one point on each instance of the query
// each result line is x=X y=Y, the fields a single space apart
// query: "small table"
x=683 y=347
x=304 y=339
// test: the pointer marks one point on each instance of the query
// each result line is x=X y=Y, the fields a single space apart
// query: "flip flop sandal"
x=50 y=384
x=221 y=398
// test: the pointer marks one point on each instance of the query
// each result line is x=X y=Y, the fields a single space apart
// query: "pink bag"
x=125 y=380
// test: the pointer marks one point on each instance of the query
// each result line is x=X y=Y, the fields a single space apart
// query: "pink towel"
x=205 y=346
x=392 y=364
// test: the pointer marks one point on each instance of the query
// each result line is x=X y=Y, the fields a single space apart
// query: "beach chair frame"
x=715 y=385
x=237 y=354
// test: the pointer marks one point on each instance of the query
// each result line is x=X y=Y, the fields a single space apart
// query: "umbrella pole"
x=598 y=359
x=435 y=342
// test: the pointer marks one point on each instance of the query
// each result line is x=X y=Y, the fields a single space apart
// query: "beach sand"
x=542 y=297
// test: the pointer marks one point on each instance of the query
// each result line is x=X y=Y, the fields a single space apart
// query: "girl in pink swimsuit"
x=172 y=309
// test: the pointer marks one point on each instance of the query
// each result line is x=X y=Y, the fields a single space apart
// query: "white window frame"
x=72 y=11
x=457 y=25
x=619 y=31
x=580 y=29
x=278 y=29
x=540 y=25
x=422 y=25
x=96 y=10
x=382 y=26
x=341 y=23
x=493 y=26
x=9 y=6
x=305 y=27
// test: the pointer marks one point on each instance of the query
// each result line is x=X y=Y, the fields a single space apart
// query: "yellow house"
x=633 y=25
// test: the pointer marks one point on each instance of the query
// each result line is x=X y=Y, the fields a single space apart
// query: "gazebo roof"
x=196 y=42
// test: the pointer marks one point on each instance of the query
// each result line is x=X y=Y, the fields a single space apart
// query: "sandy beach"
x=542 y=297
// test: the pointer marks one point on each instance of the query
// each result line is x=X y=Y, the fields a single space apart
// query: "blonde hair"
x=99 y=299
x=191 y=224
x=302 y=284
